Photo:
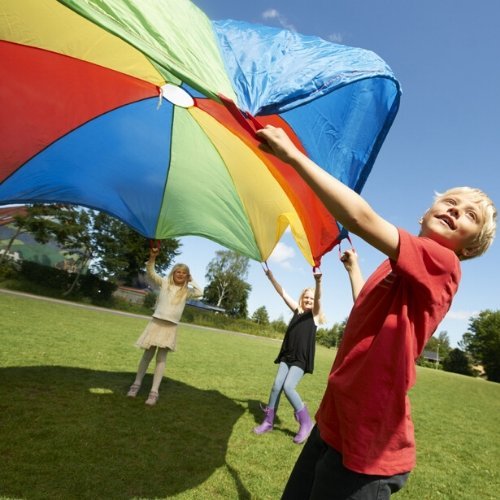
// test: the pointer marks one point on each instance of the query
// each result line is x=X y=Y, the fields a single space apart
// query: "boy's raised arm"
x=348 y=208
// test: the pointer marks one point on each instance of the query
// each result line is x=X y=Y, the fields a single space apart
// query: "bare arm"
x=150 y=267
x=350 y=260
x=288 y=300
x=348 y=208
x=317 y=293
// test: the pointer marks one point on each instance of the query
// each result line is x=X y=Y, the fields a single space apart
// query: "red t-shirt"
x=365 y=412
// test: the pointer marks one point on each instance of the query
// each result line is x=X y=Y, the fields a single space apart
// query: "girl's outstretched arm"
x=155 y=278
x=350 y=260
x=348 y=208
x=317 y=292
x=288 y=300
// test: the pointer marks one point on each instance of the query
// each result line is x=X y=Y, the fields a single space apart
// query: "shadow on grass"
x=72 y=433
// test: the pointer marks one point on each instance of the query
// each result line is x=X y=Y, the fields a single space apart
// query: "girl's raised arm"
x=291 y=303
x=350 y=260
x=317 y=292
x=155 y=278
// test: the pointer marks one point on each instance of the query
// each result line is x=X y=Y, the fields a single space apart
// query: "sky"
x=446 y=56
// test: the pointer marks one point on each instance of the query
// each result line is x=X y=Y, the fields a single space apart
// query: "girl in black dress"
x=296 y=356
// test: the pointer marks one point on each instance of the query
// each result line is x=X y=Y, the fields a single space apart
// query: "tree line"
x=103 y=246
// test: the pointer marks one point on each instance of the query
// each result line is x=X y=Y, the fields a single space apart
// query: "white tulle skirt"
x=159 y=333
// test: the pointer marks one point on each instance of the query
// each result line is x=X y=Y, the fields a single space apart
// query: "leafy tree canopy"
x=227 y=288
x=482 y=341
x=116 y=251
x=457 y=361
x=279 y=325
x=439 y=343
x=333 y=336
x=261 y=316
x=120 y=252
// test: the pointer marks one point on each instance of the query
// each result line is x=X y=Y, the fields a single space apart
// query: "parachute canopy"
x=147 y=110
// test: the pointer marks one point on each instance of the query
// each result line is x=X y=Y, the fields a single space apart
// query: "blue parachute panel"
x=274 y=70
x=115 y=162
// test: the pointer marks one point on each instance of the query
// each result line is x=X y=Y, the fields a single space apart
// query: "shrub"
x=457 y=361
x=9 y=269
x=46 y=280
x=427 y=364
x=150 y=300
x=220 y=321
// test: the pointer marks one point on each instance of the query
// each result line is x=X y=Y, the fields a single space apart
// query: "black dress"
x=299 y=344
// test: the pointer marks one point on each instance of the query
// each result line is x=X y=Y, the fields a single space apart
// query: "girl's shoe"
x=306 y=425
x=152 y=398
x=134 y=389
x=267 y=424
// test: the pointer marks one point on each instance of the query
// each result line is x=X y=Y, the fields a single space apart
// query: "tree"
x=333 y=336
x=279 y=325
x=457 y=361
x=227 y=288
x=482 y=341
x=120 y=252
x=65 y=224
x=33 y=219
x=440 y=344
x=116 y=251
x=261 y=316
x=69 y=227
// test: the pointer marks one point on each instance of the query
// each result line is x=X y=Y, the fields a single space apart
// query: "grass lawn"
x=67 y=431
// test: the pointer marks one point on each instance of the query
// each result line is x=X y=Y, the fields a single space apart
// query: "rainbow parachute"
x=147 y=110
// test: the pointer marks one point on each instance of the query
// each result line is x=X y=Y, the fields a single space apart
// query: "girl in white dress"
x=160 y=335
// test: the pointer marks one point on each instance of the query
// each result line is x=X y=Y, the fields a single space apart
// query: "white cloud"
x=461 y=315
x=282 y=255
x=275 y=15
x=270 y=14
x=335 y=37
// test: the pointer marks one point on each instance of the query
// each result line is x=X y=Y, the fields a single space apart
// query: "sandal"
x=134 y=389
x=152 y=398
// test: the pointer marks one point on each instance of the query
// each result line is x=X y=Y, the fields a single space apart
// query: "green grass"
x=67 y=430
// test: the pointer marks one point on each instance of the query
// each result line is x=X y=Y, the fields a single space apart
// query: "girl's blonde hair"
x=182 y=292
x=321 y=316
x=487 y=234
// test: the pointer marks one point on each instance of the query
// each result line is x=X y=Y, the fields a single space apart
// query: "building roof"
x=430 y=355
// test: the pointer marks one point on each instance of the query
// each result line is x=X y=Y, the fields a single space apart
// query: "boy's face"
x=454 y=221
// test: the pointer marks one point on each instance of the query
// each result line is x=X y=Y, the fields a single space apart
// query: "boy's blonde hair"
x=321 y=316
x=183 y=290
x=489 y=212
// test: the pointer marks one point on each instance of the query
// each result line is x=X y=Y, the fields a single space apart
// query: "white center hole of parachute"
x=176 y=95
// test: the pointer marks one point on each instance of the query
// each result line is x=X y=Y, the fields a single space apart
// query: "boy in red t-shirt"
x=363 y=445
